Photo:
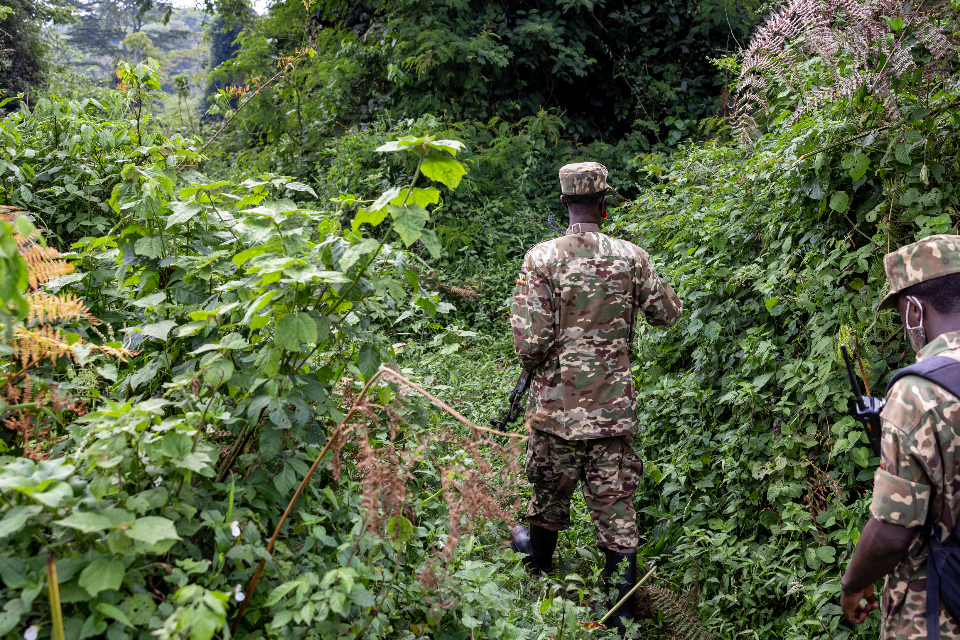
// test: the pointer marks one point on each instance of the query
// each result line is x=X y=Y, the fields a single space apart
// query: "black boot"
x=620 y=585
x=537 y=544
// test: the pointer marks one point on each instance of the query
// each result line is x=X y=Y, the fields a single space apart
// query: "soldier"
x=575 y=308
x=919 y=478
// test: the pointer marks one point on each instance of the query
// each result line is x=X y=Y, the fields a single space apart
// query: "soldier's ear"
x=563 y=202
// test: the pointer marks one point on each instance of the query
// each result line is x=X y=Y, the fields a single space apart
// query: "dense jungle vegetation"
x=251 y=343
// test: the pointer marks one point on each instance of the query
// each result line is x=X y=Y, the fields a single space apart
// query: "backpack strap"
x=940 y=370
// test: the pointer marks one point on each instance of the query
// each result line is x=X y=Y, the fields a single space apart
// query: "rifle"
x=516 y=401
x=867 y=408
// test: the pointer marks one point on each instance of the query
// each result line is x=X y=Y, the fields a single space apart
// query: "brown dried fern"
x=8 y=213
x=46 y=308
x=41 y=343
x=42 y=262
x=873 y=55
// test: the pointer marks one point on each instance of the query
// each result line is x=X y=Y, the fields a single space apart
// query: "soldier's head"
x=925 y=287
x=584 y=189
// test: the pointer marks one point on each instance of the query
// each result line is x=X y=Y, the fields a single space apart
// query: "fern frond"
x=117 y=352
x=46 y=308
x=44 y=342
x=42 y=263
x=680 y=613
x=873 y=55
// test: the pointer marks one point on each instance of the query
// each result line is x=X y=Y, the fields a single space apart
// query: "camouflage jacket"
x=914 y=483
x=574 y=311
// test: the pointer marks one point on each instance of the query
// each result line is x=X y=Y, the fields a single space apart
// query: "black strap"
x=933 y=583
x=940 y=370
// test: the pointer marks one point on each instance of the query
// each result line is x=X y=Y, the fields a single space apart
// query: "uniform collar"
x=582 y=227
x=944 y=342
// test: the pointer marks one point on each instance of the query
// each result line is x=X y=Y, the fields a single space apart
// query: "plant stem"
x=629 y=595
x=866 y=133
x=53 y=590
x=266 y=84
x=306 y=479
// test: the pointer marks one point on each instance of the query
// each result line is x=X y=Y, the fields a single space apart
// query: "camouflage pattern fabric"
x=583 y=178
x=920 y=421
x=575 y=308
x=610 y=472
x=930 y=258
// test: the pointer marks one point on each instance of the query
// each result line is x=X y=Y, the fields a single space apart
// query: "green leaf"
x=826 y=554
x=761 y=380
x=17 y=518
x=408 y=221
x=152 y=529
x=295 y=330
x=368 y=360
x=277 y=594
x=355 y=251
x=400 y=530
x=903 y=152
x=54 y=495
x=910 y=196
x=385 y=198
x=422 y=197
x=861 y=456
x=857 y=165
x=443 y=168
x=110 y=611
x=182 y=212
x=771 y=303
x=24 y=226
x=176 y=444
x=149 y=246
x=229 y=341
x=140 y=607
x=85 y=521
x=371 y=217
x=453 y=146
x=299 y=186
x=102 y=574
x=191 y=328
x=429 y=239
x=839 y=201
x=769 y=519
x=159 y=330
x=216 y=368
x=150 y=301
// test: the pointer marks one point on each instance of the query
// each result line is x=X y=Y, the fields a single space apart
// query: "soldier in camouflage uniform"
x=575 y=307
x=919 y=478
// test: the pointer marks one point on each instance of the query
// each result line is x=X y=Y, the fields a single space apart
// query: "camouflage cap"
x=930 y=258
x=582 y=178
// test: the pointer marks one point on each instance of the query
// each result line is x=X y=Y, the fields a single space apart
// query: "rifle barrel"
x=853 y=377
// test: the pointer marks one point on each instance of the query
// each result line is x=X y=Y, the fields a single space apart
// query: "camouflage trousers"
x=609 y=471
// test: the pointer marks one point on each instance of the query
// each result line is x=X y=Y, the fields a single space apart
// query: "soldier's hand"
x=853 y=611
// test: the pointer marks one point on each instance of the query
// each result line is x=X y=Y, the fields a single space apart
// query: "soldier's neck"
x=936 y=324
x=588 y=216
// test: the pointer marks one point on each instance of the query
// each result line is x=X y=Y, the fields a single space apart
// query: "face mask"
x=916 y=335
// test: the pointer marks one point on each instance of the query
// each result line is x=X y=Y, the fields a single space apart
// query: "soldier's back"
x=918 y=480
x=599 y=285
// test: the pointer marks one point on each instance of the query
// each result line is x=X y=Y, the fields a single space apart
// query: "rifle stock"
x=516 y=401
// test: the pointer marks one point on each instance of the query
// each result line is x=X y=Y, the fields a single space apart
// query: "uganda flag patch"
x=522 y=278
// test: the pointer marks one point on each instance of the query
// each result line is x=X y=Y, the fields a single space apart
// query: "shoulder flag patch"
x=522 y=278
